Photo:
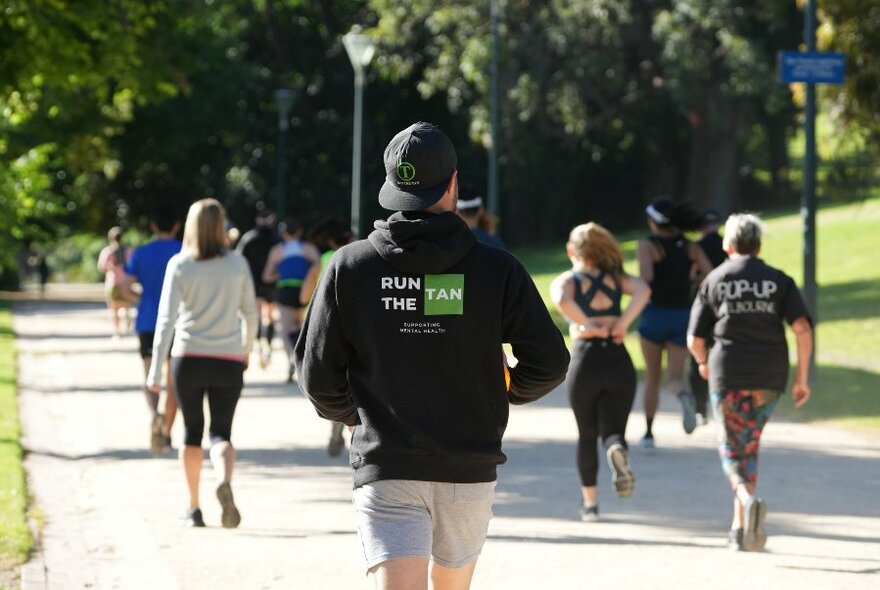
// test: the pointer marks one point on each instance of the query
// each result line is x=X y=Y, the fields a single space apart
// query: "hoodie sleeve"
x=322 y=355
x=247 y=306
x=537 y=344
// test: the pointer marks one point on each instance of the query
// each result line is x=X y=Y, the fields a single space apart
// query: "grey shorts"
x=446 y=522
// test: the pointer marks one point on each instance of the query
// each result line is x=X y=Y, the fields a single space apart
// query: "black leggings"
x=601 y=386
x=222 y=380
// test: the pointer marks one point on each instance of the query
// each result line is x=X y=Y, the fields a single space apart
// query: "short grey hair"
x=743 y=232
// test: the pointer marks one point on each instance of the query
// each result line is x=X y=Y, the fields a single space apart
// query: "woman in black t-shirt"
x=743 y=305
x=671 y=265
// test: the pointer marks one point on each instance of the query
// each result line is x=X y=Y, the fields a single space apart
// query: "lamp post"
x=284 y=98
x=808 y=201
x=360 y=49
x=493 y=112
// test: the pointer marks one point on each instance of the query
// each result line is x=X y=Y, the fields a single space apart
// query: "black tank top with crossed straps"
x=597 y=284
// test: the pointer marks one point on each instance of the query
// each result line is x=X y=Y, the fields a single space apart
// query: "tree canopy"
x=111 y=107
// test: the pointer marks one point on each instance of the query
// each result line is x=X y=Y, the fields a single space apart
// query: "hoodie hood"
x=418 y=242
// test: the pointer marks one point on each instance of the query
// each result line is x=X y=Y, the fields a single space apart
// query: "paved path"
x=110 y=507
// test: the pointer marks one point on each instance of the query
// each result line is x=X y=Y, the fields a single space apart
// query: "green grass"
x=848 y=333
x=15 y=538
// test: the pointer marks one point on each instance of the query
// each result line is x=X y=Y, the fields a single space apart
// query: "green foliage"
x=71 y=73
x=608 y=102
x=604 y=103
x=853 y=26
x=75 y=258
x=15 y=538
x=26 y=207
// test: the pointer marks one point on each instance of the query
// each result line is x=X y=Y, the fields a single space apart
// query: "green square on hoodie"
x=444 y=294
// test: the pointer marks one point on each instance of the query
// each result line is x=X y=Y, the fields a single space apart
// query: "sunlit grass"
x=15 y=539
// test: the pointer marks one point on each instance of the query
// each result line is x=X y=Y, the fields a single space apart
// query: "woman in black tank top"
x=601 y=380
x=673 y=266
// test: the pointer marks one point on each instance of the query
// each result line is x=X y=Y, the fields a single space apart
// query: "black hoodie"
x=403 y=338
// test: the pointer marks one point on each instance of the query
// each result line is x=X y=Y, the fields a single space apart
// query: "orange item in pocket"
x=506 y=377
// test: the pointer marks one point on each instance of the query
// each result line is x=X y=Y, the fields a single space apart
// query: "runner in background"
x=147 y=267
x=255 y=246
x=482 y=223
x=330 y=235
x=670 y=264
x=287 y=266
x=711 y=244
x=743 y=305
x=601 y=380
x=206 y=296
x=111 y=261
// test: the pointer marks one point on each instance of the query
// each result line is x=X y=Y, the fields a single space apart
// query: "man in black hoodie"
x=402 y=343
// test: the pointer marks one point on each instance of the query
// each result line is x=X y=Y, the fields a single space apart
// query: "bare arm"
x=309 y=284
x=312 y=253
x=127 y=291
x=702 y=265
x=270 y=271
x=803 y=334
x=562 y=293
x=699 y=351
x=102 y=260
x=640 y=294
x=645 y=255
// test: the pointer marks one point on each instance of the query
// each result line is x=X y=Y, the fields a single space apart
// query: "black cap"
x=419 y=161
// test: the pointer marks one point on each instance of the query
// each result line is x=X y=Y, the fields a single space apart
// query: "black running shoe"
x=754 y=535
x=193 y=518
x=688 y=411
x=621 y=475
x=231 y=517
x=735 y=539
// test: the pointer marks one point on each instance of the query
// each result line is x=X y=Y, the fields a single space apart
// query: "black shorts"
x=266 y=292
x=289 y=297
x=146 y=344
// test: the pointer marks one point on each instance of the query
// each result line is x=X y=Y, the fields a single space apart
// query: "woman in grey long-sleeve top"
x=208 y=308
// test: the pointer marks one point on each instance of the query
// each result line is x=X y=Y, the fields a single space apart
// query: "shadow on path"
x=670 y=490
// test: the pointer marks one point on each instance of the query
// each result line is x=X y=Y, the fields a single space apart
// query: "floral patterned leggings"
x=741 y=416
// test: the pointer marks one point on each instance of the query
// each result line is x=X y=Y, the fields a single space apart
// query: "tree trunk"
x=776 y=128
x=713 y=177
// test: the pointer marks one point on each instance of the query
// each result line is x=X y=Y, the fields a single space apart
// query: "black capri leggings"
x=601 y=386
x=222 y=380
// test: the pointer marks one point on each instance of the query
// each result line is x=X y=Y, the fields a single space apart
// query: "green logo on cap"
x=444 y=294
x=406 y=171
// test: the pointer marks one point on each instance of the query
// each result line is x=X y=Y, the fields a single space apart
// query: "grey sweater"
x=207 y=307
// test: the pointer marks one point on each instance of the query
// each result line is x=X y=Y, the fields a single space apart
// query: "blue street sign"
x=815 y=67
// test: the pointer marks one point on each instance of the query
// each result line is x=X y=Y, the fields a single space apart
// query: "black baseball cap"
x=419 y=161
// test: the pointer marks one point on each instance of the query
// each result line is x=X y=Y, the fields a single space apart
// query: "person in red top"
x=111 y=261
